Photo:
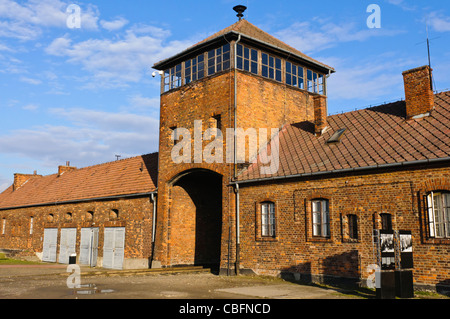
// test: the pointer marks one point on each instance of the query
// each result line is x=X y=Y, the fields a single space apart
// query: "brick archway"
x=196 y=219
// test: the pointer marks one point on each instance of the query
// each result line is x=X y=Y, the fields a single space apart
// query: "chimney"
x=21 y=179
x=320 y=114
x=419 y=94
x=62 y=169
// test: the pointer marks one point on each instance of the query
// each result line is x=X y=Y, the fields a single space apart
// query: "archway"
x=196 y=219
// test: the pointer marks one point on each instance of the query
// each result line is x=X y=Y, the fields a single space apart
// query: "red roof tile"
x=375 y=136
x=124 y=177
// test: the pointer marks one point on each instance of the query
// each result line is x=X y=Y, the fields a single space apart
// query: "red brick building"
x=337 y=178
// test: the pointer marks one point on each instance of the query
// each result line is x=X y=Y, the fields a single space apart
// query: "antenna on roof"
x=429 y=58
x=118 y=156
x=240 y=9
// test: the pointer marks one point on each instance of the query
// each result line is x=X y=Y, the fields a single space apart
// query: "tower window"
x=194 y=69
x=271 y=67
x=268 y=219
x=219 y=59
x=294 y=75
x=172 y=78
x=439 y=214
x=320 y=218
x=247 y=59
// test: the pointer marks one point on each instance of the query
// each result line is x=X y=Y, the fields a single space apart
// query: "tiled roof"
x=130 y=176
x=375 y=136
x=246 y=28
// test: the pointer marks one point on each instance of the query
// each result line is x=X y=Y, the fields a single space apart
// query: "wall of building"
x=295 y=250
x=133 y=214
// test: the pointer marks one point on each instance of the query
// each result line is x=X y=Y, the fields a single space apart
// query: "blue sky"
x=86 y=94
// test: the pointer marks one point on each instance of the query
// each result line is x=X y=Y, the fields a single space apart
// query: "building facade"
x=252 y=175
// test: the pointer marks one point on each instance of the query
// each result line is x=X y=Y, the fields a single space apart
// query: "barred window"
x=247 y=59
x=352 y=226
x=439 y=214
x=268 y=219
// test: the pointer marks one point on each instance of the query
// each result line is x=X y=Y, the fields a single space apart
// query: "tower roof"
x=249 y=33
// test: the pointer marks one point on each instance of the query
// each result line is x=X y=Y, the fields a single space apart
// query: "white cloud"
x=25 y=21
x=93 y=137
x=114 y=25
x=30 y=107
x=117 y=62
x=30 y=80
x=319 y=34
x=438 y=22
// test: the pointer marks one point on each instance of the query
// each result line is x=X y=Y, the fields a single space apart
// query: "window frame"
x=268 y=220
x=353 y=229
x=320 y=220
x=443 y=231
x=247 y=59
x=273 y=66
x=297 y=78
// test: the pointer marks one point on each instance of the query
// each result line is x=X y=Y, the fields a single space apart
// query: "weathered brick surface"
x=294 y=249
x=419 y=95
x=133 y=214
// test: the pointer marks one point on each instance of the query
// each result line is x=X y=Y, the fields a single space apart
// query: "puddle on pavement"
x=90 y=289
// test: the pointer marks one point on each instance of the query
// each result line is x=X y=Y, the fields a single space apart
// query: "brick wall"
x=296 y=250
x=133 y=214
x=419 y=95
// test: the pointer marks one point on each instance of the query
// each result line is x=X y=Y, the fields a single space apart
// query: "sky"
x=77 y=85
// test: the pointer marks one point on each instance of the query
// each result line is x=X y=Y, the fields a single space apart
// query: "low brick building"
x=312 y=215
x=102 y=213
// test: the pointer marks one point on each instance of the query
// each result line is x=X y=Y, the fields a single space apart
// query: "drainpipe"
x=238 y=241
x=152 y=195
x=238 y=234
x=235 y=102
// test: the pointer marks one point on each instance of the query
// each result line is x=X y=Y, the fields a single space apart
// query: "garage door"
x=114 y=247
x=50 y=245
x=67 y=244
x=89 y=246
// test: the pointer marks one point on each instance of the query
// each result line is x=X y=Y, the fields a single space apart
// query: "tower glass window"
x=194 y=69
x=219 y=59
x=271 y=67
x=247 y=59
x=294 y=75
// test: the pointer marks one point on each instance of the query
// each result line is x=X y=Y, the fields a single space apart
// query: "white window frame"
x=268 y=219
x=439 y=217
x=320 y=209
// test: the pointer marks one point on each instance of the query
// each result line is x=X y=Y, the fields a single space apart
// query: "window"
x=69 y=217
x=315 y=82
x=172 y=78
x=114 y=214
x=353 y=226
x=219 y=59
x=386 y=221
x=90 y=216
x=247 y=59
x=268 y=219
x=194 y=69
x=320 y=218
x=3 y=226
x=439 y=214
x=50 y=218
x=271 y=67
x=31 y=225
x=294 y=75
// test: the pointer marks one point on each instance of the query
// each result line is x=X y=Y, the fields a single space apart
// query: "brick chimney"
x=62 y=169
x=21 y=179
x=320 y=114
x=419 y=94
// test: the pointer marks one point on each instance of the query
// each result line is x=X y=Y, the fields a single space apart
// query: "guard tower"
x=240 y=77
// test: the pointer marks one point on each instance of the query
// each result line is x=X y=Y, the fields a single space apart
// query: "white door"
x=67 y=244
x=50 y=245
x=113 y=247
x=89 y=246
